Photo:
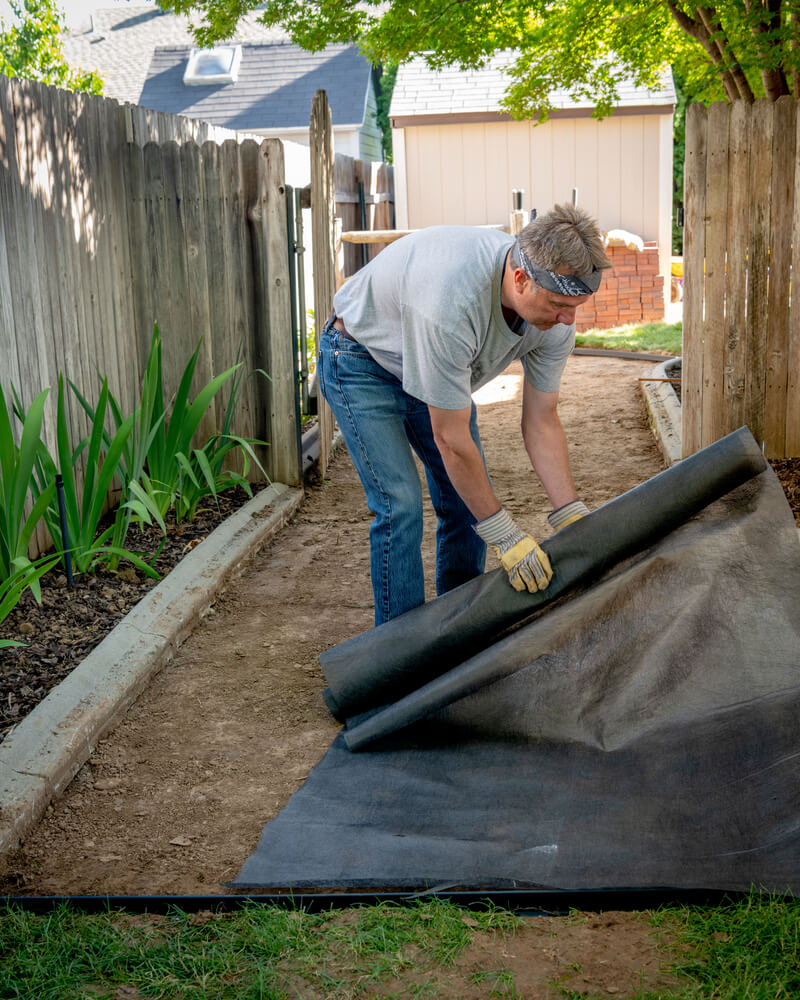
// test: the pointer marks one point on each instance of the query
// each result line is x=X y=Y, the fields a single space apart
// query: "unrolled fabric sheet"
x=639 y=731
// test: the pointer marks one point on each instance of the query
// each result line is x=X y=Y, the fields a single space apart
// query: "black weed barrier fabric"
x=637 y=728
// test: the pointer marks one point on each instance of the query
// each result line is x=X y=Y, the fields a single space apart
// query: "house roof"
x=275 y=86
x=121 y=41
x=423 y=92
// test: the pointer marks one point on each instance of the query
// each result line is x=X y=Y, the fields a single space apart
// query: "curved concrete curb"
x=664 y=411
x=43 y=753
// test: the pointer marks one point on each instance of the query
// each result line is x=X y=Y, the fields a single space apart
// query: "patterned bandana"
x=562 y=284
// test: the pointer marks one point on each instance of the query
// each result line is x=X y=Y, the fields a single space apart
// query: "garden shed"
x=458 y=155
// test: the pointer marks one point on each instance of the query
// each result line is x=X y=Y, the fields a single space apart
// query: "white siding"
x=464 y=173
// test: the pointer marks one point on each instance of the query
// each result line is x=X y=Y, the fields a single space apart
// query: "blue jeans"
x=380 y=424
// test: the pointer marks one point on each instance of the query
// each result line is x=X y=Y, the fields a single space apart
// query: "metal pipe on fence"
x=62 y=515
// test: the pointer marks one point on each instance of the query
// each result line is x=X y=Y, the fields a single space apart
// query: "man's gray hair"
x=567 y=239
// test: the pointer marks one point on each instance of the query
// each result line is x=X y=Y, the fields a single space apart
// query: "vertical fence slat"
x=758 y=276
x=716 y=231
x=196 y=249
x=132 y=157
x=736 y=276
x=277 y=318
x=241 y=176
x=777 y=342
x=9 y=267
x=177 y=338
x=323 y=243
x=155 y=262
x=693 y=254
x=793 y=363
x=112 y=139
x=218 y=288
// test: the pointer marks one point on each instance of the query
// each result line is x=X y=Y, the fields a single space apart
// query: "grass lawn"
x=646 y=337
x=745 y=950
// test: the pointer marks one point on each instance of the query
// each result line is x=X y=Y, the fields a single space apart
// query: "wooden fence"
x=741 y=330
x=113 y=218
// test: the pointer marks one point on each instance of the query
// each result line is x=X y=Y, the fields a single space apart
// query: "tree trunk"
x=702 y=30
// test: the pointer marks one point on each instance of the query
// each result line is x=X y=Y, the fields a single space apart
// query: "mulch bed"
x=71 y=621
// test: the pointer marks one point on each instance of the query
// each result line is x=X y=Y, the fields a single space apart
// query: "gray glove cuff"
x=569 y=512
x=499 y=530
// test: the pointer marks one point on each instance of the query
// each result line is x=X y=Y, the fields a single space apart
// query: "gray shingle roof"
x=274 y=88
x=420 y=90
x=122 y=40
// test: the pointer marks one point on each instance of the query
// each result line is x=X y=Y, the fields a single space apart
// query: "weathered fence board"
x=741 y=332
x=693 y=263
x=714 y=405
x=323 y=241
x=781 y=218
x=736 y=285
x=793 y=365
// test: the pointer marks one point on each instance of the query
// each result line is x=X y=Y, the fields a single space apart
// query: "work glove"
x=565 y=515
x=525 y=562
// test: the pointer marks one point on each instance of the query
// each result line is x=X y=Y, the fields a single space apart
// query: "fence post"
x=323 y=244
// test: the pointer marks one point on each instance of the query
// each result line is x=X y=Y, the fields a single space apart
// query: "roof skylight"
x=207 y=67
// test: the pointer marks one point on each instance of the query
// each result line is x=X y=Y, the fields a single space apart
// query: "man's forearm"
x=468 y=475
x=547 y=449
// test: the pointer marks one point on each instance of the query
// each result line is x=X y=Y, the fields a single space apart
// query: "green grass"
x=255 y=952
x=746 y=950
x=645 y=337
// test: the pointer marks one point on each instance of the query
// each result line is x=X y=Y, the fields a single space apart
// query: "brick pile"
x=631 y=292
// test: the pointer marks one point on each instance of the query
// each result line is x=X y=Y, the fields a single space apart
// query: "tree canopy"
x=32 y=49
x=739 y=49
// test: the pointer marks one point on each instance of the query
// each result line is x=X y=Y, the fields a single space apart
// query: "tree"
x=32 y=49
x=739 y=49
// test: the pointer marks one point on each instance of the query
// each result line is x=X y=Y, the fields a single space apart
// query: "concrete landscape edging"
x=664 y=411
x=42 y=754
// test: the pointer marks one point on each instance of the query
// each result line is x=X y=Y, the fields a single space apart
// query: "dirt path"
x=175 y=799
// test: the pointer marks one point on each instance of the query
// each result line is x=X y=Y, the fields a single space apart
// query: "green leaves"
x=16 y=480
x=12 y=588
x=728 y=48
x=33 y=50
x=102 y=461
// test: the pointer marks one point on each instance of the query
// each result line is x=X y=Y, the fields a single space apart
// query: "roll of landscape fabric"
x=391 y=661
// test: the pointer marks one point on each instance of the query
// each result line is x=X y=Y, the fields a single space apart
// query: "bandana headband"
x=562 y=284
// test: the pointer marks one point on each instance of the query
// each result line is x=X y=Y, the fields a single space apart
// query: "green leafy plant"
x=17 y=481
x=148 y=416
x=12 y=589
x=203 y=473
x=172 y=436
x=83 y=515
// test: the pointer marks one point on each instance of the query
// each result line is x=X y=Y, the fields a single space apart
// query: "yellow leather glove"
x=567 y=514
x=525 y=562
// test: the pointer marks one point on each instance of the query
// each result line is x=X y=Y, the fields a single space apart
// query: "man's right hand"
x=522 y=558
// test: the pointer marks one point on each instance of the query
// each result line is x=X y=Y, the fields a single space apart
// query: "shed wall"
x=463 y=173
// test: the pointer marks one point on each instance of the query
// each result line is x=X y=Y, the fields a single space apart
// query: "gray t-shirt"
x=428 y=309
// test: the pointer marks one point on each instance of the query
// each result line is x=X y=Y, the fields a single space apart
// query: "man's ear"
x=520 y=279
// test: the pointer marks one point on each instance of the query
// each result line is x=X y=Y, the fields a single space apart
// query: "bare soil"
x=174 y=800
